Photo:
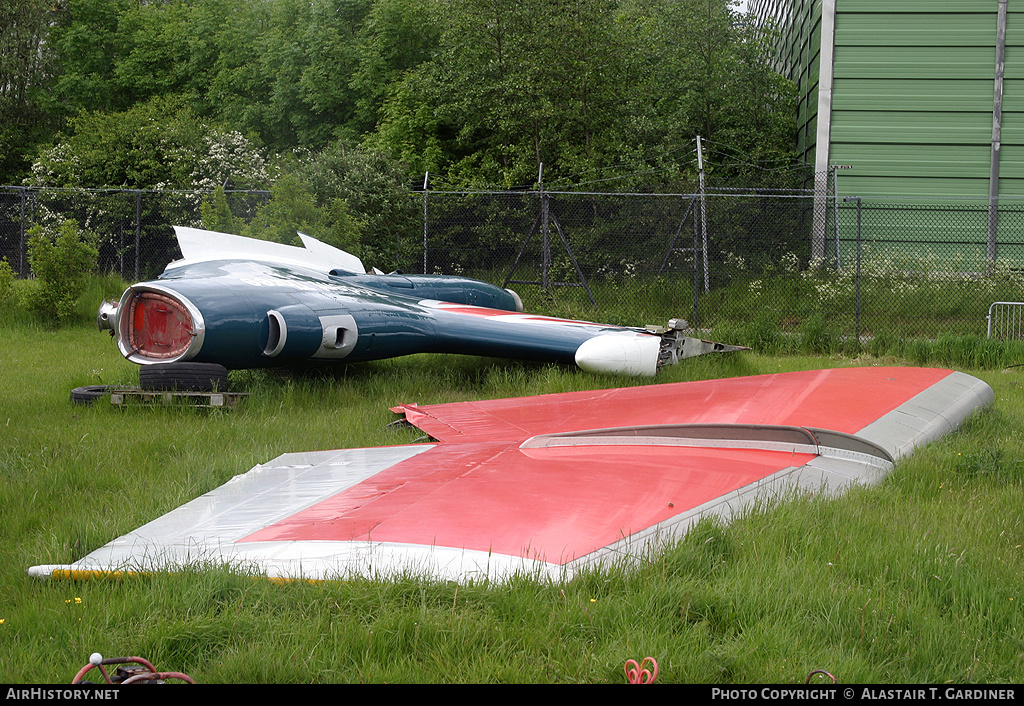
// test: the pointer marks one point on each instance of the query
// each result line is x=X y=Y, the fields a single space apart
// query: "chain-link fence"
x=612 y=247
x=922 y=269
x=782 y=258
x=134 y=226
x=854 y=266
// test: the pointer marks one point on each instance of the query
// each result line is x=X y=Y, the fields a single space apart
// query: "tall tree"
x=480 y=92
x=153 y=61
x=513 y=85
x=397 y=37
x=85 y=43
x=278 y=69
x=331 y=43
x=710 y=76
x=24 y=72
x=588 y=88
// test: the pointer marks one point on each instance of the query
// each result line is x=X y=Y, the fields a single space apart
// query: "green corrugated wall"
x=913 y=94
x=912 y=97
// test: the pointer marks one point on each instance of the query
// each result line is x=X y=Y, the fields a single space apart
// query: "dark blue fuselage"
x=255 y=314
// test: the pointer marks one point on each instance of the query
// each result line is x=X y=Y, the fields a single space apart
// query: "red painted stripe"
x=470 y=310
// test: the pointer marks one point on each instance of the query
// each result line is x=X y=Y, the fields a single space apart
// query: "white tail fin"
x=197 y=245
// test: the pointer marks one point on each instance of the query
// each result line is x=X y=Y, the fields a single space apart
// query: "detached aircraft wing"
x=245 y=303
x=549 y=484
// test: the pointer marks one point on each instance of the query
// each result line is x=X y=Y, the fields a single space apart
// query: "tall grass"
x=917 y=580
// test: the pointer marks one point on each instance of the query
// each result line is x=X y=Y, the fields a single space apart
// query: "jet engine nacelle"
x=295 y=333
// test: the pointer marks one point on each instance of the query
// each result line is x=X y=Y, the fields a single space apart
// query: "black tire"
x=184 y=377
x=90 y=393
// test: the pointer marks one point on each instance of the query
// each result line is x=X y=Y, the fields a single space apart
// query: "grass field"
x=918 y=580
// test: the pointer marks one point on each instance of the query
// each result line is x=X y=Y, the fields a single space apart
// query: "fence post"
x=835 y=208
x=33 y=206
x=856 y=199
x=426 y=179
x=997 y=122
x=138 y=230
x=545 y=229
x=835 y=213
x=21 y=235
x=703 y=213
x=696 y=277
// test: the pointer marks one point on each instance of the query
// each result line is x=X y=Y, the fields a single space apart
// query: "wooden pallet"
x=199 y=399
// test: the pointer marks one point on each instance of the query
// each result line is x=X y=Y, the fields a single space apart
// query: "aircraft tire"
x=184 y=377
x=90 y=393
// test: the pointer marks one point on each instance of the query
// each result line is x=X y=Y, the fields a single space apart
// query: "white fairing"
x=620 y=354
x=518 y=300
x=340 y=336
x=198 y=245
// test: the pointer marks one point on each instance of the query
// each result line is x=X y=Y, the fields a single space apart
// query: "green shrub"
x=851 y=346
x=62 y=262
x=7 y=277
x=216 y=214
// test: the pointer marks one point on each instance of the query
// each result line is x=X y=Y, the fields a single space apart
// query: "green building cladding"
x=918 y=100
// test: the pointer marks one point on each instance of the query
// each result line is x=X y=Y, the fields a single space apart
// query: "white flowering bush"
x=619 y=271
x=158 y=145
x=57 y=165
x=734 y=261
x=229 y=160
x=790 y=262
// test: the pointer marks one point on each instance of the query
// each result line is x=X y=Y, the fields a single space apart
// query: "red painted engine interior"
x=160 y=327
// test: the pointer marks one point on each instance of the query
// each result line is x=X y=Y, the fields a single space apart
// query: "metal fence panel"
x=134 y=226
x=863 y=266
